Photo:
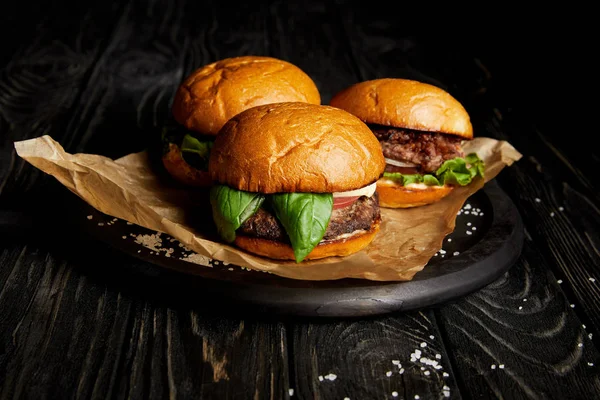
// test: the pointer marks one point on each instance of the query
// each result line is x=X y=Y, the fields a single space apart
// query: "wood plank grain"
x=42 y=70
x=380 y=55
x=518 y=338
x=125 y=343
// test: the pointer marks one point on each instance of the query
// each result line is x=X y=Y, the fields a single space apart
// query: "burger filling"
x=302 y=220
x=195 y=148
x=431 y=158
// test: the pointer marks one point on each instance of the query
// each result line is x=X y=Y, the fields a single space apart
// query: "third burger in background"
x=420 y=128
x=296 y=181
x=212 y=94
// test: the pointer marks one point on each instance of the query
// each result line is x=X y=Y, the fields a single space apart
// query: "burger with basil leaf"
x=296 y=181
x=421 y=129
x=214 y=93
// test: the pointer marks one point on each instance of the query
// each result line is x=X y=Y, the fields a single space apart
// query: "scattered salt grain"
x=401 y=371
x=438 y=356
x=346 y=398
x=469 y=233
x=590 y=335
x=583 y=326
x=552 y=214
x=389 y=373
x=579 y=344
x=445 y=375
x=331 y=377
x=468 y=206
x=123 y=237
x=592 y=279
x=395 y=394
x=431 y=336
x=493 y=366
x=442 y=251
x=291 y=392
x=446 y=393
x=537 y=200
x=90 y=217
x=321 y=378
x=396 y=362
x=100 y=223
x=129 y=223
x=423 y=344
x=417 y=397
x=559 y=281
x=520 y=307
x=501 y=366
x=591 y=364
x=474 y=228
x=139 y=251
x=561 y=208
x=455 y=253
x=449 y=239
x=572 y=305
x=468 y=224
x=426 y=373
x=524 y=299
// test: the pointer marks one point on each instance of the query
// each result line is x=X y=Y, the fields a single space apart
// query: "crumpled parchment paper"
x=129 y=188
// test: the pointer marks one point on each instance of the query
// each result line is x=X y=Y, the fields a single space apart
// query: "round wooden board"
x=486 y=242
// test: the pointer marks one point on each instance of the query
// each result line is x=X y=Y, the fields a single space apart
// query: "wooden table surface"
x=76 y=322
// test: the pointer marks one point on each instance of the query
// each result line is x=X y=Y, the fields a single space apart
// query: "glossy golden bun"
x=393 y=195
x=295 y=147
x=213 y=94
x=404 y=103
x=282 y=251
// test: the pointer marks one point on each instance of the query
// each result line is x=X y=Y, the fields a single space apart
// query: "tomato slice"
x=342 y=202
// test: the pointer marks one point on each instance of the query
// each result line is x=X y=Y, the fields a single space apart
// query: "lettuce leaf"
x=457 y=171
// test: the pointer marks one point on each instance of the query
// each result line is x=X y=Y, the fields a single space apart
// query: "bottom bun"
x=183 y=172
x=392 y=195
x=331 y=248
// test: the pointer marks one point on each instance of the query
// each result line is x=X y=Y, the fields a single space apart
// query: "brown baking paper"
x=129 y=188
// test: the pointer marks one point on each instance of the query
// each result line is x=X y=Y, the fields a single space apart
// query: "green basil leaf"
x=304 y=217
x=403 y=180
x=231 y=208
x=196 y=152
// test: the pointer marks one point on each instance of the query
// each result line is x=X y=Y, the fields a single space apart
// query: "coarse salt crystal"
x=445 y=374
x=401 y=371
x=455 y=253
x=321 y=378
x=291 y=392
x=90 y=217
x=396 y=362
x=572 y=305
x=552 y=214
x=524 y=299
x=493 y=366
x=468 y=224
x=395 y=394
x=426 y=373
x=331 y=377
x=579 y=344
x=438 y=356
x=520 y=307
x=445 y=387
x=561 y=208
x=449 y=239
x=590 y=364
x=592 y=279
x=389 y=373
x=537 y=200
x=423 y=344
x=474 y=228
x=431 y=337
x=469 y=233
x=501 y=366
x=446 y=393
x=559 y=281
x=417 y=397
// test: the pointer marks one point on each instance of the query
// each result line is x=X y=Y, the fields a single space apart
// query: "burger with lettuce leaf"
x=421 y=129
x=214 y=93
x=296 y=181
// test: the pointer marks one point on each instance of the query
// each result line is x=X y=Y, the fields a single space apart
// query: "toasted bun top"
x=211 y=95
x=295 y=147
x=405 y=103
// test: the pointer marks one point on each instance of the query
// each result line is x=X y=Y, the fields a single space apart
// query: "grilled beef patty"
x=428 y=150
x=359 y=215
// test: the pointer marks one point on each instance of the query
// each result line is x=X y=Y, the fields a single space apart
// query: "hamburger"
x=296 y=181
x=214 y=93
x=421 y=129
